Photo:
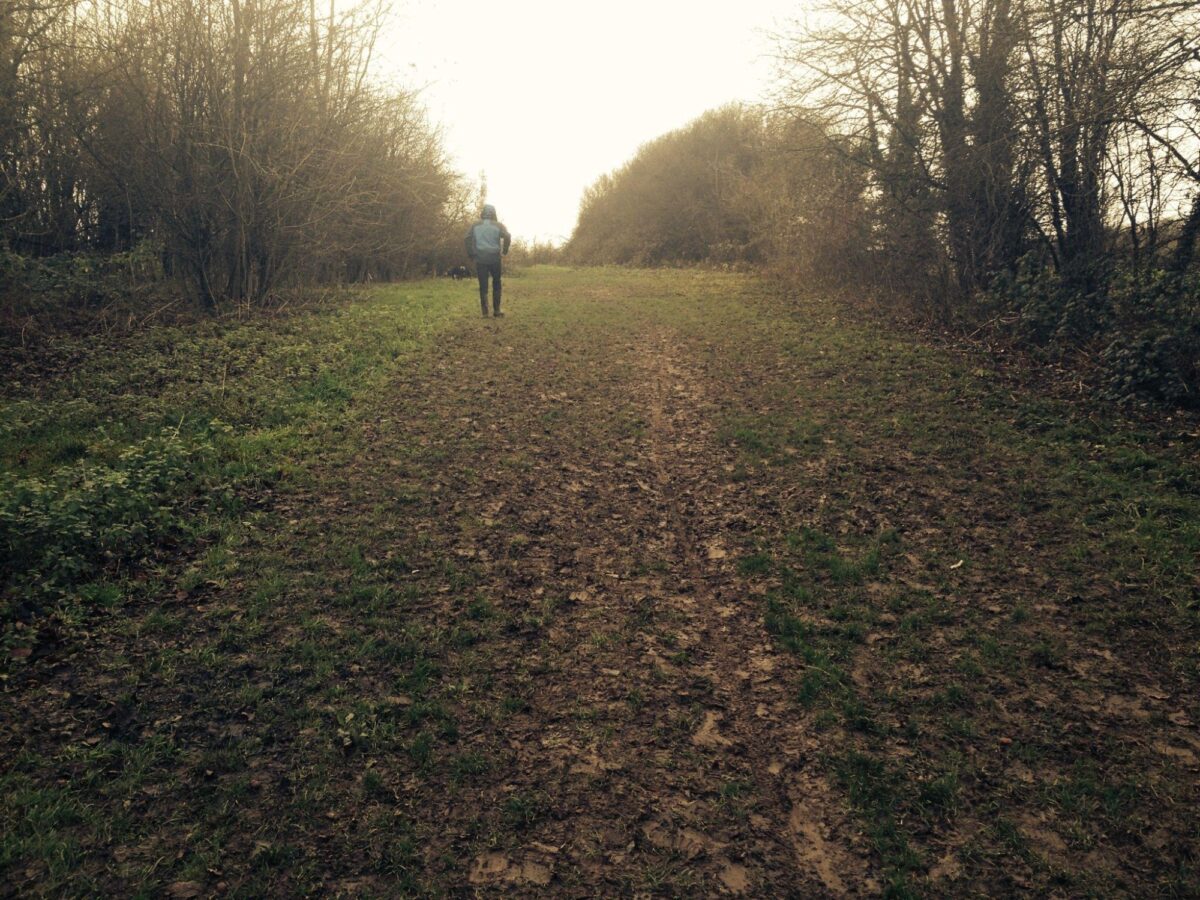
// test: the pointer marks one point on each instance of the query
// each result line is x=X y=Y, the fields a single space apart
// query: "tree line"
x=233 y=146
x=1034 y=164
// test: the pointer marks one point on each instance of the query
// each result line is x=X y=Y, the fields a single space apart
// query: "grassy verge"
x=975 y=577
x=162 y=443
x=152 y=471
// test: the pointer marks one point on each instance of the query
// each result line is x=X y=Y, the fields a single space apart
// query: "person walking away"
x=487 y=241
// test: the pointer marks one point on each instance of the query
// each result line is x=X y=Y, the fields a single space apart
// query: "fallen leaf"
x=947 y=868
x=1184 y=755
x=1154 y=693
x=707 y=735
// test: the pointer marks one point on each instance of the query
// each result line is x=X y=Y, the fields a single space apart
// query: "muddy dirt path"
x=653 y=727
x=661 y=586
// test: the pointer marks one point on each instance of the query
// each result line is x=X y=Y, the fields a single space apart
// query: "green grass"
x=906 y=616
x=160 y=439
x=265 y=539
x=167 y=442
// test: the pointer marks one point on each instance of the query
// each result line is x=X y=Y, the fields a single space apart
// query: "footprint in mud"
x=709 y=736
x=494 y=868
x=841 y=870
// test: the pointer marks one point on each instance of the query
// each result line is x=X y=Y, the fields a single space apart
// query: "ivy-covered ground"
x=663 y=584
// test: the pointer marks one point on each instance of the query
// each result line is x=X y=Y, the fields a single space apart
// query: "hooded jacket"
x=488 y=240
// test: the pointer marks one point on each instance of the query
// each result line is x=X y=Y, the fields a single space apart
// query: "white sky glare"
x=547 y=95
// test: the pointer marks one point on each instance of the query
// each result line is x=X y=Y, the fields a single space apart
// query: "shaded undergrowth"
x=161 y=443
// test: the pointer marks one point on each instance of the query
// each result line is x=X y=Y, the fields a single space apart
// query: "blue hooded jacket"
x=488 y=240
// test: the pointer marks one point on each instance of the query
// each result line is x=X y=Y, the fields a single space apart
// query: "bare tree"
x=245 y=137
x=988 y=122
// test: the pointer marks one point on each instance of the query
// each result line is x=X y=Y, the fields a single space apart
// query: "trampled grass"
x=661 y=575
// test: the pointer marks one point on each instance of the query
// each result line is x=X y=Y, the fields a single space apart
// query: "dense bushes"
x=685 y=197
x=734 y=186
x=243 y=141
x=532 y=253
x=1141 y=334
x=85 y=283
x=1153 y=345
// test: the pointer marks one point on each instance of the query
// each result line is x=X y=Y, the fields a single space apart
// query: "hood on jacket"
x=489 y=212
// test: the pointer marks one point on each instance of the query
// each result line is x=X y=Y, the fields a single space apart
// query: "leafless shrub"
x=245 y=138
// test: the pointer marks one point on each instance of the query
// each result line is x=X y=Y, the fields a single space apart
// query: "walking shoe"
x=498 y=315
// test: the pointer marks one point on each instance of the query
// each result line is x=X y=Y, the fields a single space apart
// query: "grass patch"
x=755 y=564
x=879 y=795
x=143 y=448
x=297 y=647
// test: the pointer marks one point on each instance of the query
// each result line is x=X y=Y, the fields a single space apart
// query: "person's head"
x=489 y=212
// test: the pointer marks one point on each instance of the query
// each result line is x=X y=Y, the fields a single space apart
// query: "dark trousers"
x=484 y=270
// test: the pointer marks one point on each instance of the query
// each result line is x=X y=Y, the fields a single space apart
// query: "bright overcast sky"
x=547 y=95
